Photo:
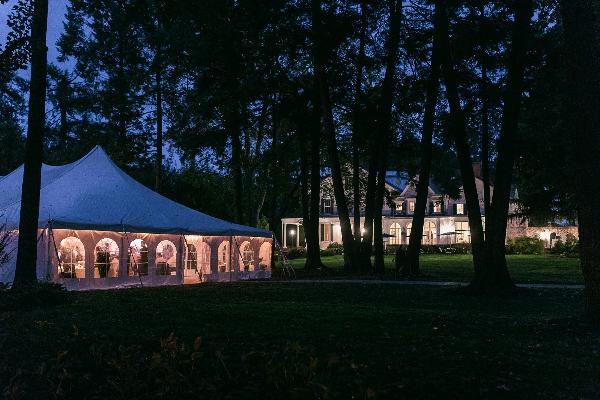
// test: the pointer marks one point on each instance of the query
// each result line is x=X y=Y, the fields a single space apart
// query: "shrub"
x=569 y=248
x=39 y=294
x=336 y=249
x=525 y=245
x=296 y=252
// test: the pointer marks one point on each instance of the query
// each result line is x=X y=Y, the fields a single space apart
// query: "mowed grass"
x=459 y=268
x=301 y=340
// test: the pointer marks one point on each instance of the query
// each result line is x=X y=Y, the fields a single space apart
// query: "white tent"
x=92 y=198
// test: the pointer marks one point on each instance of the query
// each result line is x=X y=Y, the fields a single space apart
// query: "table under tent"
x=99 y=228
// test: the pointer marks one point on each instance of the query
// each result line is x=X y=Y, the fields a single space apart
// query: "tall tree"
x=25 y=272
x=581 y=22
x=385 y=123
x=495 y=275
x=329 y=131
x=411 y=269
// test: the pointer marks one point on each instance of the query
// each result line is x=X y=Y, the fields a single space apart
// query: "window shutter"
x=454 y=208
x=431 y=207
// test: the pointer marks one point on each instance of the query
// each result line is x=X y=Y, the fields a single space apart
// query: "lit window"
x=107 y=259
x=460 y=209
x=462 y=232
x=223 y=257
x=71 y=258
x=396 y=234
x=137 y=259
x=437 y=207
x=327 y=206
x=264 y=256
x=411 y=206
x=246 y=257
x=166 y=258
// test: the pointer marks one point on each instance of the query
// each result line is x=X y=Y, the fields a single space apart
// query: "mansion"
x=446 y=220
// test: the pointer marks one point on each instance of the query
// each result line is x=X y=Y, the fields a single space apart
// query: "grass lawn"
x=459 y=268
x=301 y=340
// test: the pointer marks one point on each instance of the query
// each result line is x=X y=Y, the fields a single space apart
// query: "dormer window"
x=411 y=206
x=327 y=206
x=437 y=207
x=460 y=209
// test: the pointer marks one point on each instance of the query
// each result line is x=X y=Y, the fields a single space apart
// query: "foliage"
x=525 y=245
x=40 y=294
x=568 y=248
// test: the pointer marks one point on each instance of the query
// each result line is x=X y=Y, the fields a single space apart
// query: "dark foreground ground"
x=293 y=340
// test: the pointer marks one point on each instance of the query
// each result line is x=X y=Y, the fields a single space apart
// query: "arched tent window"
x=71 y=256
x=246 y=257
x=166 y=258
x=264 y=256
x=395 y=232
x=137 y=259
x=106 y=264
x=223 y=256
x=429 y=233
x=204 y=258
x=191 y=260
x=408 y=229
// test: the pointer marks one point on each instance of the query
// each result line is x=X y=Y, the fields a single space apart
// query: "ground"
x=301 y=340
x=459 y=268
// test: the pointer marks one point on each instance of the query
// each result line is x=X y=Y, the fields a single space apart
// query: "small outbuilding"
x=99 y=228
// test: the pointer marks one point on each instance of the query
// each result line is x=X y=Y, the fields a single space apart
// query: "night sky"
x=56 y=12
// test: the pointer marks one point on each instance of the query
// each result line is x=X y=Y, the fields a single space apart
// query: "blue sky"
x=56 y=13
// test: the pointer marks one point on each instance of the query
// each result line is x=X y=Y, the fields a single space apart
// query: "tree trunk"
x=366 y=248
x=236 y=166
x=432 y=90
x=159 y=126
x=30 y=196
x=495 y=275
x=459 y=133
x=485 y=124
x=357 y=133
x=385 y=125
x=330 y=136
x=580 y=21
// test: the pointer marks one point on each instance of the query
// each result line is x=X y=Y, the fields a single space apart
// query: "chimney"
x=477 y=170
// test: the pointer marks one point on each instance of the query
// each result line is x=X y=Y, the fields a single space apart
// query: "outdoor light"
x=363 y=231
x=292 y=232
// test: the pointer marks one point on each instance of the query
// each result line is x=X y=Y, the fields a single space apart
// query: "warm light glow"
x=545 y=235
x=292 y=232
x=363 y=231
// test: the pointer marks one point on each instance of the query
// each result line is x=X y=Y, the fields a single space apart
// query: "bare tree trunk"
x=485 y=125
x=366 y=249
x=459 y=132
x=385 y=124
x=159 y=126
x=416 y=235
x=330 y=136
x=581 y=20
x=357 y=132
x=495 y=275
x=30 y=196
x=236 y=166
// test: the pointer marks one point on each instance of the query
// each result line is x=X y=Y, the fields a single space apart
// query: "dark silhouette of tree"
x=581 y=24
x=25 y=272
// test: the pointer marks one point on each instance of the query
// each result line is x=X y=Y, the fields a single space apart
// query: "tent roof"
x=93 y=193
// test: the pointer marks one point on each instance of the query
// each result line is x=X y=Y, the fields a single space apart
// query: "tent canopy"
x=93 y=193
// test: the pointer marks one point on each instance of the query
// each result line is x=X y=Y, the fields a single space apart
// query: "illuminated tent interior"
x=99 y=228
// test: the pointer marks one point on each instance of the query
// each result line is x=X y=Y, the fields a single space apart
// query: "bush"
x=296 y=252
x=40 y=294
x=336 y=249
x=569 y=248
x=525 y=245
